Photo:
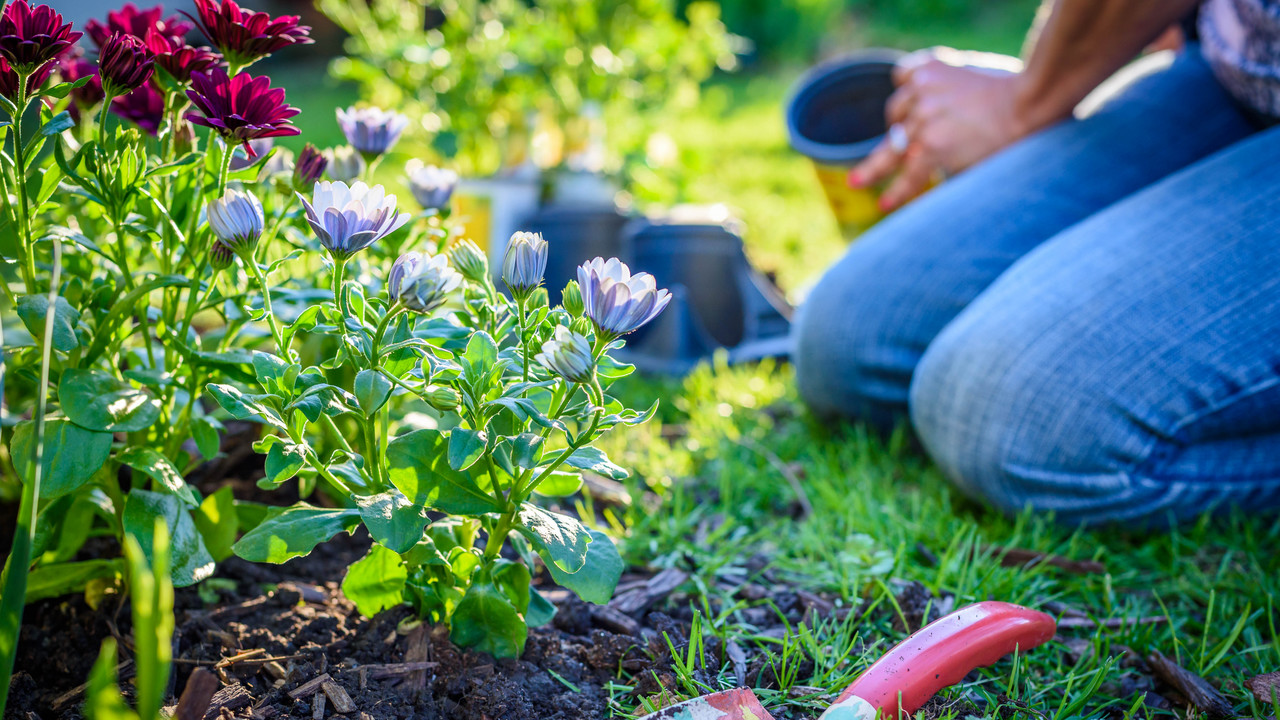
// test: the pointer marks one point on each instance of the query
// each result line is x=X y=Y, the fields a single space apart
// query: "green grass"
x=882 y=514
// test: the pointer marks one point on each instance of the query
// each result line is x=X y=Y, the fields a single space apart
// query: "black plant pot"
x=575 y=235
x=718 y=300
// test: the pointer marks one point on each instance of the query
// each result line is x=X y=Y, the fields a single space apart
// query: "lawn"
x=754 y=493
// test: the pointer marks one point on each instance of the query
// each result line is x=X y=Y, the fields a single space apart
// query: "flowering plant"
x=171 y=271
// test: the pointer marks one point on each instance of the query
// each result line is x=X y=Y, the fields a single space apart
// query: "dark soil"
x=301 y=626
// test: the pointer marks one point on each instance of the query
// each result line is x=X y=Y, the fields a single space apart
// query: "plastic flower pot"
x=719 y=300
x=576 y=234
x=494 y=208
x=835 y=117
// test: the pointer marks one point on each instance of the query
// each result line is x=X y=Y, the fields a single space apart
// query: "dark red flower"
x=143 y=107
x=245 y=36
x=132 y=21
x=178 y=59
x=31 y=37
x=9 y=79
x=241 y=108
x=124 y=63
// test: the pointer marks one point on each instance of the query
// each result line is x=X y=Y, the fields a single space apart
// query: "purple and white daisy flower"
x=348 y=219
x=616 y=301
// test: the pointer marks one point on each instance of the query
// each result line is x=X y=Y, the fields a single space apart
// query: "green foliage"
x=474 y=72
x=152 y=601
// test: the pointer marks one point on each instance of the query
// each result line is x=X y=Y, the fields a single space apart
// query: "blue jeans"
x=1087 y=322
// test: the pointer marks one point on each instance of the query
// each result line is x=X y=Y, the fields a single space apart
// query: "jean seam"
x=1164 y=446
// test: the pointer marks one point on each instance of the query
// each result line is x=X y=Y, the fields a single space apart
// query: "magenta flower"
x=31 y=37
x=241 y=108
x=124 y=64
x=129 y=20
x=246 y=36
x=143 y=107
x=9 y=79
x=178 y=59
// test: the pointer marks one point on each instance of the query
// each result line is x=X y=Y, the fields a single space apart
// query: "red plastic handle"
x=938 y=655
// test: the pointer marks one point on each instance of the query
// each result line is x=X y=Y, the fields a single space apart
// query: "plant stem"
x=523 y=317
x=582 y=439
x=19 y=562
x=266 y=305
x=372 y=460
x=20 y=176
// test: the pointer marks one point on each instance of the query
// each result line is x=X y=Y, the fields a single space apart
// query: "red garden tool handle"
x=938 y=655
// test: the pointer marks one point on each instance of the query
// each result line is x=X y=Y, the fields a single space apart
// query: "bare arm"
x=1081 y=44
x=956 y=113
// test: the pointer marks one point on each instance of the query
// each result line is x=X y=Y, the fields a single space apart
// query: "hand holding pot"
x=951 y=109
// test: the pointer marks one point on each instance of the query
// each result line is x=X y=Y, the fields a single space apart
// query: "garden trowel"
x=938 y=655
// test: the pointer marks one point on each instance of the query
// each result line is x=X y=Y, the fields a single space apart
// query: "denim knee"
x=849 y=362
x=1017 y=428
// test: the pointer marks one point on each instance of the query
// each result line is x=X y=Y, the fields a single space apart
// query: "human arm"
x=956 y=112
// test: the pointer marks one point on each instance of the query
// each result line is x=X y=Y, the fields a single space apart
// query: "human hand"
x=952 y=109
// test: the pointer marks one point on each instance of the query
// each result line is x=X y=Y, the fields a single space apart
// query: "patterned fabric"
x=1241 y=40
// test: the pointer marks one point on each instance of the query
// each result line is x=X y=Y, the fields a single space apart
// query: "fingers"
x=909 y=63
x=900 y=103
x=880 y=164
x=911 y=181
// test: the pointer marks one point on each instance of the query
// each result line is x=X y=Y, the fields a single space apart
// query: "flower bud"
x=581 y=326
x=568 y=355
x=308 y=169
x=221 y=257
x=443 y=398
x=469 y=259
x=571 y=298
x=524 y=263
x=422 y=282
x=345 y=164
x=124 y=63
x=236 y=219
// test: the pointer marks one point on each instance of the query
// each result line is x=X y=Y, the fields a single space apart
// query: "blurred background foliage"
x=691 y=92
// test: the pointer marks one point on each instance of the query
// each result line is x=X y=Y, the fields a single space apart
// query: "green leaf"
x=513 y=579
x=465 y=448
x=61 y=121
x=71 y=455
x=372 y=390
x=376 y=582
x=48 y=581
x=419 y=466
x=204 y=430
x=487 y=621
x=560 y=539
x=401 y=361
x=328 y=399
x=599 y=575
x=284 y=460
x=294 y=533
x=32 y=309
x=217 y=522
x=526 y=450
x=594 y=459
x=541 y=611
x=242 y=406
x=559 y=484
x=158 y=468
x=98 y=401
x=191 y=561
x=392 y=519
